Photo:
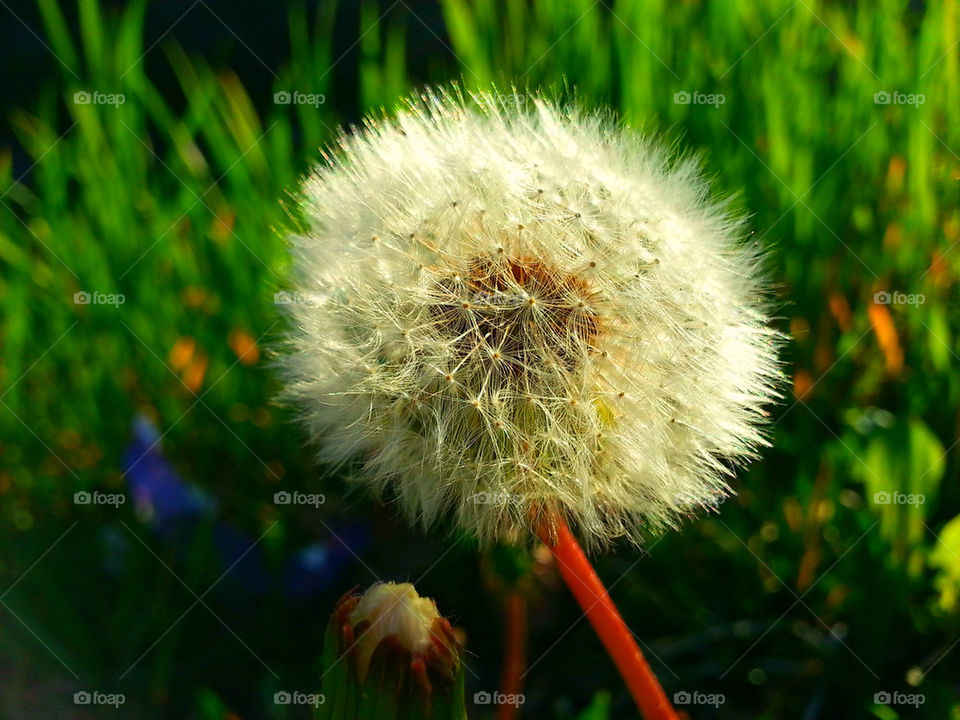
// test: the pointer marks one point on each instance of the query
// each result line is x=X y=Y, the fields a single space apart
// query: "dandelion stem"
x=606 y=620
x=515 y=653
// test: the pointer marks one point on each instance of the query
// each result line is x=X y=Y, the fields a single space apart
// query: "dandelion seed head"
x=582 y=328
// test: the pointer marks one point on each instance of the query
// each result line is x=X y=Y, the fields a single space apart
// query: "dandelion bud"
x=389 y=654
x=527 y=312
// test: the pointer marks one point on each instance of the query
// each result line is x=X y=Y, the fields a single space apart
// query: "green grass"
x=181 y=204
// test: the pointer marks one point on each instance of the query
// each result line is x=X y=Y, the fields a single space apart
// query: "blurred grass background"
x=803 y=598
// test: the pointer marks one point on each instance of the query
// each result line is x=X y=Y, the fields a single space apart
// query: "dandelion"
x=522 y=313
x=389 y=654
x=528 y=317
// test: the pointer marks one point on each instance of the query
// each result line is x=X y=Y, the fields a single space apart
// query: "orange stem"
x=515 y=654
x=606 y=620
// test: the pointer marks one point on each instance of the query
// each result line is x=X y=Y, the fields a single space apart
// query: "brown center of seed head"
x=519 y=312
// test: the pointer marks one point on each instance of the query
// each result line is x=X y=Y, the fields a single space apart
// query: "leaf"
x=599 y=708
x=945 y=560
x=902 y=467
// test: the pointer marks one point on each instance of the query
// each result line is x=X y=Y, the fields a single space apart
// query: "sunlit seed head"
x=583 y=329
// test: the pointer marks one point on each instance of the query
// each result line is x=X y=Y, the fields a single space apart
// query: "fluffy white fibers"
x=511 y=309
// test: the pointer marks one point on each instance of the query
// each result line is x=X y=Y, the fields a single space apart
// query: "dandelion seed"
x=670 y=300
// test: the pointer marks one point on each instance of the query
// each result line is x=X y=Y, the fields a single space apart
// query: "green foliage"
x=180 y=202
x=945 y=558
x=599 y=709
x=901 y=467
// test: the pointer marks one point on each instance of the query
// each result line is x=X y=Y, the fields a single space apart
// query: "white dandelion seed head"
x=527 y=310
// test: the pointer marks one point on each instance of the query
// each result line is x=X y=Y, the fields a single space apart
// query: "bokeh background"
x=149 y=159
